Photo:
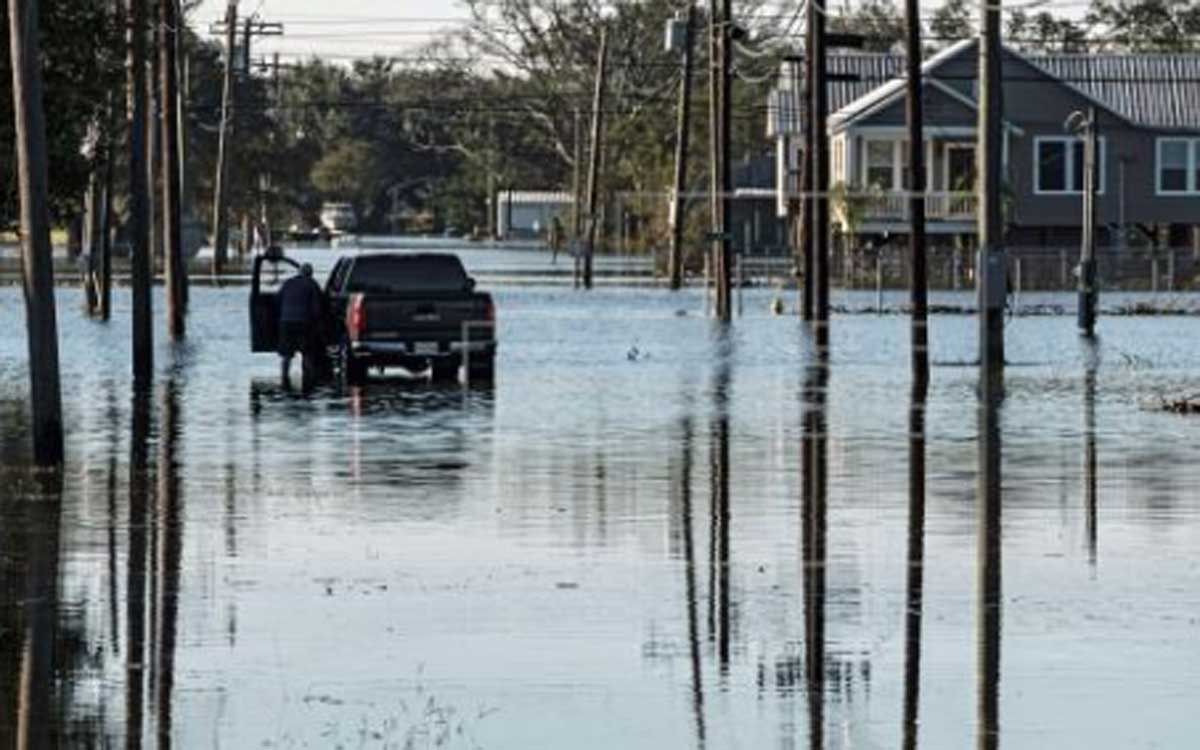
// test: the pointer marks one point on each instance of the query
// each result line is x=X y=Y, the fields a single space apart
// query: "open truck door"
x=264 y=306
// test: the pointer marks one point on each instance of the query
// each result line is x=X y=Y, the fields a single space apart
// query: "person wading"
x=301 y=308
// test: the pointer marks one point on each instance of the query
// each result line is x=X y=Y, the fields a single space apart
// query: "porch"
x=870 y=166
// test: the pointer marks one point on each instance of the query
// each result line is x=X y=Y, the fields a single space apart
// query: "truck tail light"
x=356 y=317
x=489 y=311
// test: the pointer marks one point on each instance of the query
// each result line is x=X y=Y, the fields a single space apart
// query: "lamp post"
x=1084 y=124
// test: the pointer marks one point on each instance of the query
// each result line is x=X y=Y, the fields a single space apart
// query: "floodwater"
x=651 y=533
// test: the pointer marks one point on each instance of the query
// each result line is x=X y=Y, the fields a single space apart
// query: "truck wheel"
x=444 y=370
x=354 y=372
x=482 y=369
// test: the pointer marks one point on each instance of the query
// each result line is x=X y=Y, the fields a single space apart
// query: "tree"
x=81 y=40
x=1148 y=25
x=952 y=22
x=1045 y=32
x=348 y=172
x=879 y=20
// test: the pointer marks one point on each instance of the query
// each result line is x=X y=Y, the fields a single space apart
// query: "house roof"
x=1156 y=91
x=880 y=95
x=1150 y=90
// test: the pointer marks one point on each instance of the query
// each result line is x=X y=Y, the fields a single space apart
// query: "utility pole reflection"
x=915 y=583
x=135 y=574
x=29 y=625
x=813 y=502
x=1089 y=448
x=988 y=564
x=169 y=538
x=720 y=510
x=689 y=558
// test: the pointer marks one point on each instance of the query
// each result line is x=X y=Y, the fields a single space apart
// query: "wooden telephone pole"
x=1088 y=291
x=139 y=227
x=991 y=266
x=172 y=231
x=916 y=168
x=720 y=115
x=36 y=253
x=221 y=188
x=597 y=153
x=820 y=165
x=675 y=264
x=725 y=260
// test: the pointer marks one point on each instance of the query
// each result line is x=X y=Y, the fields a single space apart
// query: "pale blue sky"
x=360 y=28
x=342 y=27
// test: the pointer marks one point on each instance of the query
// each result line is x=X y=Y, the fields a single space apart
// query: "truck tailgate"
x=428 y=318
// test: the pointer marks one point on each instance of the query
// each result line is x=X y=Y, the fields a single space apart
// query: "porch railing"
x=939 y=206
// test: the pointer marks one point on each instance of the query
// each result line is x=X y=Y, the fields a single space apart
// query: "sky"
x=361 y=28
x=342 y=27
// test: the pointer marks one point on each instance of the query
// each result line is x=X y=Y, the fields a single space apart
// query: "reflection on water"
x=914 y=587
x=1090 y=483
x=814 y=520
x=712 y=540
x=29 y=619
x=990 y=602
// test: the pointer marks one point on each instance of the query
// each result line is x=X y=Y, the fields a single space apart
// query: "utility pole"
x=140 y=260
x=916 y=168
x=153 y=133
x=991 y=266
x=714 y=142
x=91 y=219
x=820 y=227
x=172 y=230
x=597 y=151
x=725 y=259
x=576 y=198
x=36 y=252
x=683 y=131
x=1088 y=291
x=808 y=173
x=221 y=188
x=105 y=226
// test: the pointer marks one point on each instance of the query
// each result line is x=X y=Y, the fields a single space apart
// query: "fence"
x=1029 y=268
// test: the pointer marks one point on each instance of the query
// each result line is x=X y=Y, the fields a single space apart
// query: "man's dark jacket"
x=300 y=301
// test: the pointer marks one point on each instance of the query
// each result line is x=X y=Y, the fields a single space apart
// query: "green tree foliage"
x=1044 y=32
x=879 y=20
x=349 y=170
x=1149 y=25
x=80 y=42
x=544 y=54
x=952 y=21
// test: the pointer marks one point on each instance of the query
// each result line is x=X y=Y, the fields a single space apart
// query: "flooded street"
x=650 y=533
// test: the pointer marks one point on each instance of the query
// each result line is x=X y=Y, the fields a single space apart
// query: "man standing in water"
x=301 y=309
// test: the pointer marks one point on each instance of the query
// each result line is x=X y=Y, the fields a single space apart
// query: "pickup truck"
x=419 y=311
x=411 y=310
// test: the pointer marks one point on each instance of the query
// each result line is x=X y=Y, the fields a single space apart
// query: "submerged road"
x=641 y=537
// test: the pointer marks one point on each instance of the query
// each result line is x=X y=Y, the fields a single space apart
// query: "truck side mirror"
x=470 y=284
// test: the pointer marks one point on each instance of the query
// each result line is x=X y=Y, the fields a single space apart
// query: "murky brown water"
x=648 y=534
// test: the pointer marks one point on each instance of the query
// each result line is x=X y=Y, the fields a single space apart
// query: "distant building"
x=1148 y=109
x=527 y=214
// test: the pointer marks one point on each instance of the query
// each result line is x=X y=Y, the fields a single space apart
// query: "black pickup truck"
x=418 y=311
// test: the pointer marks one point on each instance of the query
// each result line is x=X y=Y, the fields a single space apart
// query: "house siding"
x=1037 y=105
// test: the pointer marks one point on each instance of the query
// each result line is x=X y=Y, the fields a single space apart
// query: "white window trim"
x=1070 y=163
x=899 y=162
x=1192 y=166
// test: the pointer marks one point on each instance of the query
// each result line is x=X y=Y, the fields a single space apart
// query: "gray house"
x=1148 y=110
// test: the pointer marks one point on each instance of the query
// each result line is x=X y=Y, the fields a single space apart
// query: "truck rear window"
x=399 y=274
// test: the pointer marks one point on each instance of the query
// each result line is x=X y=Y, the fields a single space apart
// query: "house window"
x=881 y=165
x=1178 y=165
x=1059 y=163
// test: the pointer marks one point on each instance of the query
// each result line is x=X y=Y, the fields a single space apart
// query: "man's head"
x=306 y=270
